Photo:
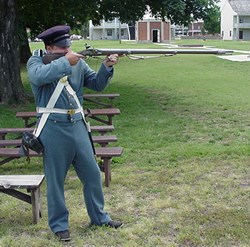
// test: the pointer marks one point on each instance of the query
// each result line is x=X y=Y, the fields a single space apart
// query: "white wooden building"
x=235 y=20
x=109 y=30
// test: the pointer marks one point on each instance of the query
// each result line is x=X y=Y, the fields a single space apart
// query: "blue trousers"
x=66 y=144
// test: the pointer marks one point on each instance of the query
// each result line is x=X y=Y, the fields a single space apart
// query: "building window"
x=241 y=20
x=240 y=34
x=109 y=32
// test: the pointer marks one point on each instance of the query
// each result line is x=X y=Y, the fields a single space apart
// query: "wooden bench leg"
x=36 y=204
x=107 y=171
x=110 y=120
x=10 y=185
x=34 y=199
x=2 y=136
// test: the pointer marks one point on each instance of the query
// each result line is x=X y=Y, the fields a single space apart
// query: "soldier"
x=64 y=133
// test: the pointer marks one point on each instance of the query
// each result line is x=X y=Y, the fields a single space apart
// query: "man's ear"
x=48 y=47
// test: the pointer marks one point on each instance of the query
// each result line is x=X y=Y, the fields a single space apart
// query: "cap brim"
x=62 y=43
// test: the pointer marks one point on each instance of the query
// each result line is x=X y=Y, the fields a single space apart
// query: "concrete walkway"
x=245 y=57
x=237 y=58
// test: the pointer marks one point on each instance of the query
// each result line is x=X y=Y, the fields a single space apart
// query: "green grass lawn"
x=183 y=179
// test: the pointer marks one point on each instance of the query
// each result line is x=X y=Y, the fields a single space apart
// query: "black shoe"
x=114 y=224
x=63 y=236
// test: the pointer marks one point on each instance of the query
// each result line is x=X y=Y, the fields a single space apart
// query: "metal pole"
x=120 y=39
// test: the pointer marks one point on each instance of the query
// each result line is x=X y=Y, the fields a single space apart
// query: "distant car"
x=37 y=40
x=75 y=37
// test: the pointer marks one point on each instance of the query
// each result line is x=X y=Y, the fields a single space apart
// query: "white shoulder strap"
x=51 y=104
x=73 y=93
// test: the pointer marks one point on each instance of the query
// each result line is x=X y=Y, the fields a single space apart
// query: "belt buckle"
x=64 y=79
x=71 y=111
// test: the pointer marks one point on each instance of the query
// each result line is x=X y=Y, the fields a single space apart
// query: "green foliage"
x=40 y=15
x=212 y=20
x=178 y=11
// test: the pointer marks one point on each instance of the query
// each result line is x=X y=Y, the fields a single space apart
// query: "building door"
x=156 y=35
x=132 y=32
x=240 y=34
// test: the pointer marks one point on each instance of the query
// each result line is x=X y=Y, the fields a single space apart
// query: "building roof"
x=241 y=7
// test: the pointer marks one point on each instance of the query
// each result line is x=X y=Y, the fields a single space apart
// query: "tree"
x=42 y=14
x=212 y=20
x=10 y=80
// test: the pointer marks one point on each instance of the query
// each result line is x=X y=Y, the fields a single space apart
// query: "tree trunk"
x=11 y=88
x=25 y=52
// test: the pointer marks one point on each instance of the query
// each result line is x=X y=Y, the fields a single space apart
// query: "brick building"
x=152 y=30
x=195 y=28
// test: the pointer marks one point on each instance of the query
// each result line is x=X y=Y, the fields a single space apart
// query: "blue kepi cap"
x=57 y=35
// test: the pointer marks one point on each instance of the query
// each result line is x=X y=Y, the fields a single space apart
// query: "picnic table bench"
x=108 y=112
x=103 y=140
x=98 y=99
x=102 y=129
x=10 y=185
x=104 y=153
x=96 y=114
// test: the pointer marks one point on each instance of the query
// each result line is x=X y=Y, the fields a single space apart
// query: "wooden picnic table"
x=100 y=98
x=108 y=112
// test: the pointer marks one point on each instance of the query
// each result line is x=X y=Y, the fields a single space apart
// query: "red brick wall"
x=167 y=31
x=142 y=31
